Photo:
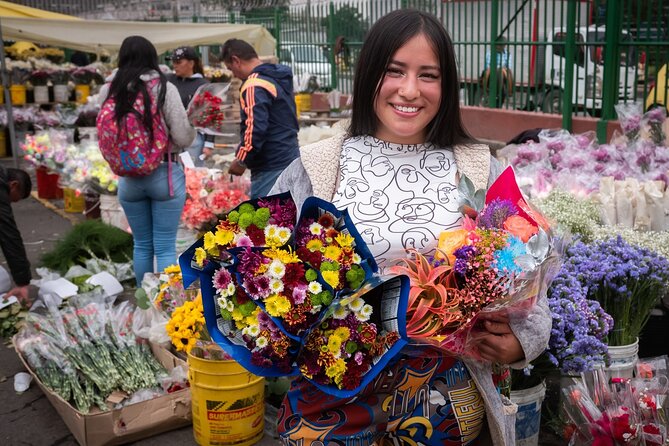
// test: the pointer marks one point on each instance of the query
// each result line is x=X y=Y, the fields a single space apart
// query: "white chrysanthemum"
x=277 y=269
x=340 y=312
x=316 y=309
x=365 y=313
x=276 y=286
x=222 y=302
x=253 y=330
x=356 y=258
x=283 y=234
x=245 y=331
x=316 y=228
x=261 y=342
x=315 y=287
x=271 y=231
x=231 y=289
x=356 y=304
x=230 y=306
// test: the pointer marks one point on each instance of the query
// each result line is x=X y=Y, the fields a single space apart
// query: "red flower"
x=326 y=220
x=256 y=235
x=294 y=274
x=621 y=429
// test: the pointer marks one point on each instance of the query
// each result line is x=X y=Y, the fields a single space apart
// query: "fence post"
x=611 y=67
x=568 y=75
x=277 y=28
x=494 y=29
x=331 y=42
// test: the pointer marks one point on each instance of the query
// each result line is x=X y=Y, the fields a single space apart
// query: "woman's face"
x=410 y=93
x=183 y=67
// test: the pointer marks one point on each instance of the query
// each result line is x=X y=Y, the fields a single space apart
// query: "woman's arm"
x=181 y=132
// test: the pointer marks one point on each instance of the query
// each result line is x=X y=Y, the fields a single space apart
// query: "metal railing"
x=570 y=57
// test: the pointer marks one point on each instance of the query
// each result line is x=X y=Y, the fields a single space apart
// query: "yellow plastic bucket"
x=18 y=94
x=82 y=91
x=302 y=103
x=74 y=203
x=2 y=95
x=3 y=143
x=228 y=403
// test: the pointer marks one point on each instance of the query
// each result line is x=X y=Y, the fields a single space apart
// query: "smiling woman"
x=396 y=171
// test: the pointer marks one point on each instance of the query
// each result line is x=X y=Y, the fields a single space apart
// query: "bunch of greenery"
x=86 y=240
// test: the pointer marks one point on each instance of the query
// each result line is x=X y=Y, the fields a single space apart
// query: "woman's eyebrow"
x=422 y=67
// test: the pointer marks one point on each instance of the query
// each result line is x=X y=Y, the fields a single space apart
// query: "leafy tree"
x=346 y=21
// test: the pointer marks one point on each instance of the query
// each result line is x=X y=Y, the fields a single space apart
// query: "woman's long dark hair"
x=136 y=57
x=385 y=37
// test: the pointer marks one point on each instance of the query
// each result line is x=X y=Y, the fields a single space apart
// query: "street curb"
x=47 y=204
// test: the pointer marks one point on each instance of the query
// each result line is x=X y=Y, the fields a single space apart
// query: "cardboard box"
x=129 y=423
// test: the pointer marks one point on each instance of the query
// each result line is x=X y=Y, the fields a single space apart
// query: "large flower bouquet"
x=626 y=280
x=500 y=260
x=47 y=149
x=207 y=108
x=210 y=194
x=271 y=285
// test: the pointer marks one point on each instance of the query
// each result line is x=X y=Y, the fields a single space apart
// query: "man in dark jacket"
x=15 y=185
x=268 y=118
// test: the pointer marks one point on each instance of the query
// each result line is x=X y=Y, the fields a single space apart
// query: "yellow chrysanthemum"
x=237 y=314
x=209 y=241
x=336 y=370
x=334 y=345
x=172 y=269
x=284 y=255
x=331 y=277
x=314 y=245
x=224 y=237
x=332 y=252
x=342 y=333
x=344 y=239
x=200 y=256
x=277 y=305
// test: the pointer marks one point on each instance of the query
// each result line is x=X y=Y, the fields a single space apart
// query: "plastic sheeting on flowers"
x=207 y=108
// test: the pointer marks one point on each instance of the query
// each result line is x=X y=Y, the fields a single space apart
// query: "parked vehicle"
x=305 y=59
x=659 y=92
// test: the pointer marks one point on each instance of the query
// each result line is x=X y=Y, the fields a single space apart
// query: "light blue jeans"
x=262 y=182
x=153 y=216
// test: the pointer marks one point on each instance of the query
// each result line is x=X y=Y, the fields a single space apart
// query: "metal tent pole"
x=8 y=101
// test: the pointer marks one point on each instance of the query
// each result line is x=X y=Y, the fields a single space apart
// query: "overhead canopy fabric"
x=96 y=35
x=8 y=9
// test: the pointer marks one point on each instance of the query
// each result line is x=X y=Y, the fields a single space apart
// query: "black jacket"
x=187 y=86
x=10 y=237
x=269 y=123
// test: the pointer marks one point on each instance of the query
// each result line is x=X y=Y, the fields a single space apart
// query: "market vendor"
x=15 y=185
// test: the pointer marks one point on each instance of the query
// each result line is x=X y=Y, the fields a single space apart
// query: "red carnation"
x=256 y=235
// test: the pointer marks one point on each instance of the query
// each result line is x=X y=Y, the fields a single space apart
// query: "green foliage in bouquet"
x=86 y=240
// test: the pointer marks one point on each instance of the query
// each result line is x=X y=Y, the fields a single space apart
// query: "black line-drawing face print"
x=416 y=211
x=420 y=239
x=374 y=209
x=409 y=179
x=376 y=243
x=355 y=186
x=378 y=167
x=444 y=192
x=436 y=163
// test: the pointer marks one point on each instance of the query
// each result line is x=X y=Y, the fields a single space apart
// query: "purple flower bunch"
x=626 y=280
x=580 y=325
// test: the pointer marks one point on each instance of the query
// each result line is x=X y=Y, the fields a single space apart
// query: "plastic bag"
x=208 y=106
x=150 y=324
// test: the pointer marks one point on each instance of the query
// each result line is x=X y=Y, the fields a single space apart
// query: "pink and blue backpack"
x=127 y=146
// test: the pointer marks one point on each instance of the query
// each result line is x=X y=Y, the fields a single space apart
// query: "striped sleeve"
x=256 y=96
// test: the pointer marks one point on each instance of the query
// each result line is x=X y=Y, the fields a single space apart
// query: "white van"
x=307 y=59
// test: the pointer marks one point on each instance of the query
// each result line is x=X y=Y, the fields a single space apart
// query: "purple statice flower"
x=462 y=257
x=579 y=325
x=495 y=213
x=626 y=280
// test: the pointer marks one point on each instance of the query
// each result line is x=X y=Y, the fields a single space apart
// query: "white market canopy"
x=96 y=35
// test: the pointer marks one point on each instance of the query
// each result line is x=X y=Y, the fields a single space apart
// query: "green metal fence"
x=511 y=53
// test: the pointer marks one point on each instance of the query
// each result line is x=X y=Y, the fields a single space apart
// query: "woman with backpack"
x=142 y=126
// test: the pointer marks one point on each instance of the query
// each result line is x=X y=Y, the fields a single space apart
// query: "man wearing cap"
x=188 y=76
x=268 y=120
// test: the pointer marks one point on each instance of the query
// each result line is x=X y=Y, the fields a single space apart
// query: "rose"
x=449 y=241
x=520 y=227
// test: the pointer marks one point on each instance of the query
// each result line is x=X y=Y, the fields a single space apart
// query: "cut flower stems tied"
x=500 y=260
x=87 y=350
x=207 y=108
